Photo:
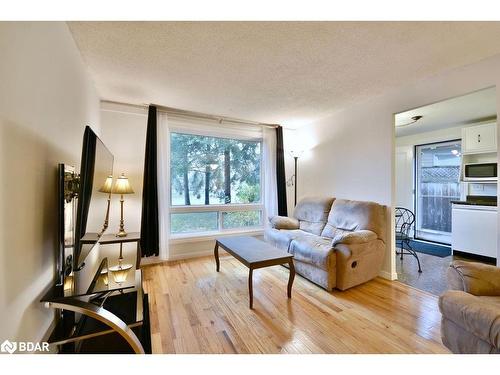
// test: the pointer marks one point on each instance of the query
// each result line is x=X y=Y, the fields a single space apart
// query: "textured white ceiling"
x=281 y=72
x=465 y=109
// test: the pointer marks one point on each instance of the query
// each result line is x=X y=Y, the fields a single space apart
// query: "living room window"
x=215 y=183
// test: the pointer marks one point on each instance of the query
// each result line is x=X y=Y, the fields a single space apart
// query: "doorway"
x=431 y=150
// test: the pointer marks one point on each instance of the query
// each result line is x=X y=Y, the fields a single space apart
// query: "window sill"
x=210 y=236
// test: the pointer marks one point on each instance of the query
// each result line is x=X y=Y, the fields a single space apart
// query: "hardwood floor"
x=194 y=309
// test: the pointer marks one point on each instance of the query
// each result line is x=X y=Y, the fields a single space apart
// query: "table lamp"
x=121 y=187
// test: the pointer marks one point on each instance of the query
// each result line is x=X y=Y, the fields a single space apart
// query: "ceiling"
x=466 y=109
x=291 y=73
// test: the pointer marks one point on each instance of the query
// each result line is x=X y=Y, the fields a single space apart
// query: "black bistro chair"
x=404 y=221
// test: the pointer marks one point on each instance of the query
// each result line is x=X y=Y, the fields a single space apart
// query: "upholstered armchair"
x=471 y=309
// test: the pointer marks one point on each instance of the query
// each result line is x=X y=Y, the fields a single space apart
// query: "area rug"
x=430 y=248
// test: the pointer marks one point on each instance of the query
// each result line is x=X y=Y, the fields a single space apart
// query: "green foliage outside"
x=189 y=222
x=210 y=170
x=241 y=219
x=193 y=222
x=248 y=193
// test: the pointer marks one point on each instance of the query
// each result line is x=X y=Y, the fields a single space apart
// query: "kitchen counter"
x=472 y=203
x=478 y=200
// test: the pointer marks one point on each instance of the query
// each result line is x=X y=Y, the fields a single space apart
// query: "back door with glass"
x=437 y=183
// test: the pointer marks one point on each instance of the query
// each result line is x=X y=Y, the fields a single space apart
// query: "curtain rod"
x=182 y=112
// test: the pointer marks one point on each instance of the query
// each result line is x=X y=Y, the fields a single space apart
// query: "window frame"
x=219 y=208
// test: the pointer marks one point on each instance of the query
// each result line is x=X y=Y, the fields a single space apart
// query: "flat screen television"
x=96 y=171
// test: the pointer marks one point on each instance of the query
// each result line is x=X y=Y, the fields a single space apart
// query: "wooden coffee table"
x=254 y=254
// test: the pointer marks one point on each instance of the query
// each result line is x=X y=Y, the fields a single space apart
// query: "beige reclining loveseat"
x=336 y=243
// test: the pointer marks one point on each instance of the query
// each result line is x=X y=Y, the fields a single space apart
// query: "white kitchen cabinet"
x=479 y=139
x=474 y=229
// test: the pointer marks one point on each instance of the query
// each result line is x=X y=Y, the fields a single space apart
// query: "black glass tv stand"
x=108 y=317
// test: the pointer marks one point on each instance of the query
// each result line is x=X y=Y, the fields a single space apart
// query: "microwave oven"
x=480 y=172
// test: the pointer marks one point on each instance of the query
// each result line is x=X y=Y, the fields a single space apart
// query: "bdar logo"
x=8 y=347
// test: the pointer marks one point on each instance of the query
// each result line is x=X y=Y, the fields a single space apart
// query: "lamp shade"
x=122 y=186
x=296 y=153
x=106 y=188
x=120 y=272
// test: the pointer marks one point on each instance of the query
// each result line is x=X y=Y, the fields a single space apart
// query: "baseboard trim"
x=388 y=275
x=150 y=261
x=146 y=261
x=192 y=254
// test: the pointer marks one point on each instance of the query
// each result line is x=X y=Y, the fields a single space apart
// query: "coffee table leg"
x=291 y=277
x=216 y=255
x=250 y=287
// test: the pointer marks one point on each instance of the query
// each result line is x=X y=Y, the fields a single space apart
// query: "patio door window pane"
x=437 y=184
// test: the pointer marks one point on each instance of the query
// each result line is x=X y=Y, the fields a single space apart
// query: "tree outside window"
x=208 y=171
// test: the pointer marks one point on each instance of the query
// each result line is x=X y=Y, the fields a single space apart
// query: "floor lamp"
x=295 y=156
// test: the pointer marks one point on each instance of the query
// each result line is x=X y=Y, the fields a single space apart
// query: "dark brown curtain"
x=280 y=173
x=150 y=243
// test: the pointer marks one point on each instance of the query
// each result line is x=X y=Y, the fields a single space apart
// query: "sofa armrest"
x=284 y=222
x=474 y=278
x=474 y=314
x=356 y=237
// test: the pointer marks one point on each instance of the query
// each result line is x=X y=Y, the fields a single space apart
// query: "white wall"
x=404 y=177
x=46 y=99
x=352 y=151
x=440 y=135
x=124 y=133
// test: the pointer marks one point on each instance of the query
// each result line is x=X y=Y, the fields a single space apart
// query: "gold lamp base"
x=121 y=233
x=121 y=187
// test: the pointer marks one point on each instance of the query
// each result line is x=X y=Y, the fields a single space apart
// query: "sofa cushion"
x=282 y=238
x=313 y=250
x=348 y=215
x=477 y=315
x=356 y=237
x=284 y=222
x=312 y=213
